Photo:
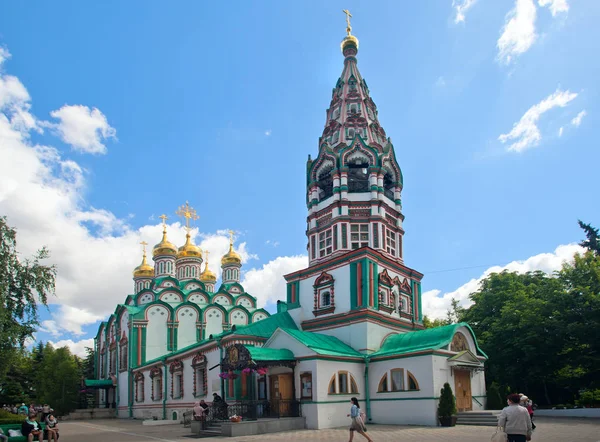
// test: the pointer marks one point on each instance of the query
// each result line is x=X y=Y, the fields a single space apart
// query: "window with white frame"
x=200 y=380
x=342 y=382
x=390 y=241
x=325 y=243
x=397 y=379
x=157 y=385
x=359 y=235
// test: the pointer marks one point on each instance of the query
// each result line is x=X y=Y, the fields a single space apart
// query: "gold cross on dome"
x=164 y=219
x=348 y=17
x=206 y=253
x=189 y=213
x=231 y=232
x=144 y=244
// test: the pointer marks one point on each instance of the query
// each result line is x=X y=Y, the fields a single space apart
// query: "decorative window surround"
x=324 y=292
x=386 y=295
x=342 y=382
x=139 y=386
x=176 y=370
x=396 y=380
x=200 y=375
x=156 y=377
x=123 y=353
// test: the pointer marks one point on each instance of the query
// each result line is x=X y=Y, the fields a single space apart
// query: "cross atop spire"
x=164 y=221
x=189 y=213
x=144 y=244
x=348 y=25
x=231 y=232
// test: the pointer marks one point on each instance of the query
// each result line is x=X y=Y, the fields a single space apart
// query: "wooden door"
x=282 y=393
x=462 y=390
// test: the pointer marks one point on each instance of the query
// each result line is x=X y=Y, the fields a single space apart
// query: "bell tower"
x=356 y=272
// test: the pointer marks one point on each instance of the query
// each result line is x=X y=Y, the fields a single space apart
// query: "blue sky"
x=220 y=104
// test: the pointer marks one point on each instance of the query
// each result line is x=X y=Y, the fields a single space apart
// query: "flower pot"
x=235 y=419
x=448 y=421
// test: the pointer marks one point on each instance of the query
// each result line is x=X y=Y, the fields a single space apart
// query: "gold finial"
x=206 y=253
x=188 y=213
x=164 y=221
x=144 y=244
x=231 y=232
x=348 y=16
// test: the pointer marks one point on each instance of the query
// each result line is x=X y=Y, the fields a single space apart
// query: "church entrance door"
x=282 y=393
x=462 y=390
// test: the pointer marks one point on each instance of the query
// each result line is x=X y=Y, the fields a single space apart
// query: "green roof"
x=270 y=354
x=266 y=327
x=98 y=383
x=323 y=344
x=428 y=339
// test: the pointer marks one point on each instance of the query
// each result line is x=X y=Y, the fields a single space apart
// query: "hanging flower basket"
x=247 y=370
x=232 y=376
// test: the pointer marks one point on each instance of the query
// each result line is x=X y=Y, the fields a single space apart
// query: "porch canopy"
x=98 y=383
x=239 y=357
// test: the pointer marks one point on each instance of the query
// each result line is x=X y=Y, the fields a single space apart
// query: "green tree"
x=60 y=379
x=23 y=284
x=18 y=384
x=429 y=323
x=592 y=241
x=494 y=399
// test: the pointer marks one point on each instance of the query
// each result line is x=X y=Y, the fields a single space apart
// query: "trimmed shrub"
x=447 y=405
x=494 y=400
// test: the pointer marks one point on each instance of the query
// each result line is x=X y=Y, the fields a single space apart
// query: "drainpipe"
x=367 y=395
x=116 y=375
x=221 y=359
x=166 y=379
x=130 y=384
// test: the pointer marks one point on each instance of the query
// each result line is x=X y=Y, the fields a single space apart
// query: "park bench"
x=7 y=427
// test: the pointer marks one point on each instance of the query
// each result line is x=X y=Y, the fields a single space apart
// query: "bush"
x=589 y=398
x=494 y=400
x=13 y=419
x=447 y=405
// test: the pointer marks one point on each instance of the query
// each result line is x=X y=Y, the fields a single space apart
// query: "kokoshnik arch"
x=351 y=324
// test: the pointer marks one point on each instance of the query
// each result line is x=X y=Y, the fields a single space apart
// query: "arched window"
x=342 y=382
x=350 y=133
x=187 y=271
x=358 y=177
x=156 y=377
x=325 y=183
x=397 y=379
x=139 y=387
x=389 y=186
x=161 y=267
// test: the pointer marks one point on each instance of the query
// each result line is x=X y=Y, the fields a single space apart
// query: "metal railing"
x=475 y=399
x=248 y=410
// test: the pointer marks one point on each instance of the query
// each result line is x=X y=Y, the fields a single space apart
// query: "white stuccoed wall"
x=186 y=331
x=156 y=331
x=341 y=276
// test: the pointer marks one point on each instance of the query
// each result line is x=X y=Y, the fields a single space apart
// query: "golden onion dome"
x=208 y=275
x=144 y=270
x=232 y=257
x=349 y=40
x=189 y=250
x=164 y=247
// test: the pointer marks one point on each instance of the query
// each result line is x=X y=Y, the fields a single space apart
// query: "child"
x=52 y=428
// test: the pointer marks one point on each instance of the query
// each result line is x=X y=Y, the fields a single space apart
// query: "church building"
x=351 y=323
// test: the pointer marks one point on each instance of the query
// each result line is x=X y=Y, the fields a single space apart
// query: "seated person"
x=200 y=410
x=3 y=437
x=52 y=428
x=31 y=428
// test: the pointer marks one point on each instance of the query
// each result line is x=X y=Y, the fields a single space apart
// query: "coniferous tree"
x=592 y=241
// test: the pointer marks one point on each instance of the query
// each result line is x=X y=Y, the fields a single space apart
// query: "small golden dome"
x=144 y=270
x=349 y=40
x=164 y=247
x=208 y=275
x=189 y=250
x=232 y=257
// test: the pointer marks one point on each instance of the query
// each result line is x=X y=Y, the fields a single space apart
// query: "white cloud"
x=556 y=6
x=436 y=304
x=560 y=131
x=83 y=128
x=461 y=7
x=42 y=194
x=267 y=283
x=268 y=132
x=577 y=120
x=525 y=132
x=272 y=243
x=77 y=347
x=4 y=55
x=518 y=33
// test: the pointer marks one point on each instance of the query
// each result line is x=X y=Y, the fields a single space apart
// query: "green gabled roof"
x=266 y=327
x=131 y=308
x=428 y=339
x=323 y=344
x=270 y=354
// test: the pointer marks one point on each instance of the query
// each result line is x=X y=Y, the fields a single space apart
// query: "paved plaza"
x=549 y=430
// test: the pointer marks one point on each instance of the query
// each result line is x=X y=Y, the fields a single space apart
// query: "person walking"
x=357 y=421
x=515 y=420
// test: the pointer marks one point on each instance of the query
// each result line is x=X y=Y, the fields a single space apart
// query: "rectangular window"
x=177 y=377
x=306 y=386
x=391 y=242
x=359 y=235
x=336 y=113
x=397 y=379
x=312 y=247
x=262 y=388
x=343 y=382
x=325 y=243
x=336 y=137
x=200 y=373
x=344 y=236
